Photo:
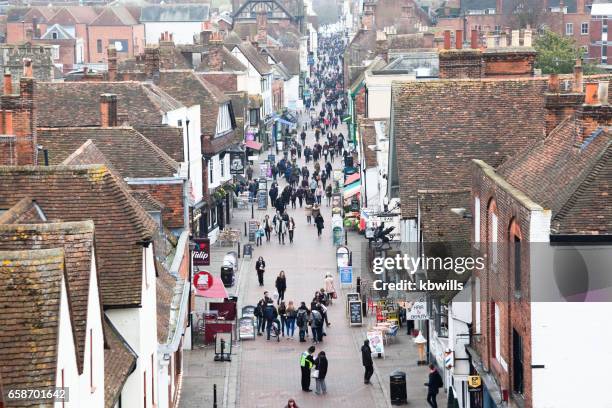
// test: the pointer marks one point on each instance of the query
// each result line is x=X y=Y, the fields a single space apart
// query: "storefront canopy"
x=216 y=290
x=351 y=189
x=252 y=144
x=352 y=178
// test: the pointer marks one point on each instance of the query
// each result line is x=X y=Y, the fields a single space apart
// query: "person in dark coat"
x=260 y=266
x=273 y=193
x=319 y=222
x=433 y=385
x=366 y=360
x=281 y=286
x=321 y=365
x=270 y=314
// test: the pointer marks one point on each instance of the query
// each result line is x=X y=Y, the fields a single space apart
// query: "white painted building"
x=182 y=21
x=138 y=326
x=258 y=77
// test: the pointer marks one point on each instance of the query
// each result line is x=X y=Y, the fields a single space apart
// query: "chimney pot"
x=8 y=84
x=459 y=39
x=527 y=38
x=490 y=41
x=516 y=38
x=27 y=68
x=8 y=122
x=577 y=77
x=590 y=95
x=447 y=40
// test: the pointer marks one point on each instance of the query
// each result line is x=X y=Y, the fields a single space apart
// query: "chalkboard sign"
x=271 y=158
x=246 y=328
x=248 y=250
x=252 y=230
x=355 y=315
x=262 y=199
x=352 y=297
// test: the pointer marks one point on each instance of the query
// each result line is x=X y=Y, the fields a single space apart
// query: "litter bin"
x=397 y=381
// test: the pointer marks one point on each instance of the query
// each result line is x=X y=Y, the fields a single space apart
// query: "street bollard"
x=245 y=229
x=238 y=250
x=345 y=237
x=215 y=396
x=252 y=210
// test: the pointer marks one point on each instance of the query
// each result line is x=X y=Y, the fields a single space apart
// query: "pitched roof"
x=26 y=211
x=254 y=58
x=30 y=295
x=19 y=14
x=175 y=13
x=119 y=362
x=70 y=15
x=167 y=138
x=438 y=127
x=191 y=89
x=232 y=38
x=147 y=201
x=137 y=103
x=230 y=62
x=77 y=193
x=114 y=16
x=569 y=176
x=166 y=284
x=130 y=153
x=77 y=241
x=290 y=58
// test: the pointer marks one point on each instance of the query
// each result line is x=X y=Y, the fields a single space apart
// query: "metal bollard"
x=238 y=250
x=345 y=237
x=215 y=396
x=245 y=229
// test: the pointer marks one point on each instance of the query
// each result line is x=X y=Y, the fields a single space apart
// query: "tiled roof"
x=167 y=138
x=130 y=153
x=568 y=176
x=77 y=193
x=166 y=284
x=407 y=41
x=290 y=58
x=438 y=127
x=115 y=16
x=254 y=58
x=26 y=211
x=191 y=89
x=87 y=153
x=70 y=15
x=230 y=62
x=367 y=131
x=19 y=14
x=77 y=241
x=119 y=362
x=232 y=38
x=147 y=201
x=30 y=295
x=137 y=103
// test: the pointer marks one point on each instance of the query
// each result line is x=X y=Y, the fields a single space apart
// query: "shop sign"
x=392 y=220
x=201 y=252
x=417 y=310
x=474 y=383
x=237 y=162
x=203 y=281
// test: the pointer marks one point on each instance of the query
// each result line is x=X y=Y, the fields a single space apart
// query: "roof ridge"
x=76 y=227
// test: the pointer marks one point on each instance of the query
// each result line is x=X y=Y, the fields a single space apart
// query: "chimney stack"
x=577 y=77
x=527 y=38
x=553 y=83
x=7 y=122
x=474 y=40
x=447 y=39
x=590 y=94
x=215 y=56
x=262 y=28
x=459 y=39
x=108 y=110
x=8 y=84
x=516 y=38
x=111 y=56
x=503 y=39
x=490 y=41
x=152 y=62
x=205 y=37
x=27 y=68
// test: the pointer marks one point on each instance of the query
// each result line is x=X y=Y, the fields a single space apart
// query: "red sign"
x=202 y=281
x=201 y=252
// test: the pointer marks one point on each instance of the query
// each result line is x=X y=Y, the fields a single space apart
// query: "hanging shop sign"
x=201 y=252
x=203 y=281
x=237 y=162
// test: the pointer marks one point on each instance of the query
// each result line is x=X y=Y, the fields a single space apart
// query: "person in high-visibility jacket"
x=306 y=364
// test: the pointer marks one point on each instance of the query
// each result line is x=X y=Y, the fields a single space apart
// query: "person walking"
x=281 y=286
x=301 y=319
x=267 y=224
x=316 y=324
x=320 y=224
x=330 y=289
x=282 y=313
x=291 y=229
x=260 y=267
x=281 y=230
x=328 y=194
x=433 y=385
x=261 y=323
x=270 y=314
x=259 y=234
x=366 y=360
x=306 y=364
x=320 y=364
x=291 y=404
x=319 y=194
x=291 y=316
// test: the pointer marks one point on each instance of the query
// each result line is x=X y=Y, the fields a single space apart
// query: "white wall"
x=182 y=32
x=139 y=328
x=219 y=178
x=292 y=91
x=379 y=93
x=192 y=114
x=87 y=398
x=66 y=358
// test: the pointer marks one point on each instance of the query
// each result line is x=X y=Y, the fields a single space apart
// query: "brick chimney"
x=152 y=62
x=262 y=28
x=27 y=68
x=499 y=6
x=474 y=40
x=459 y=39
x=108 y=110
x=562 y=105
x=595 y=112
x=166 y=51
x=367 y=20
x=382 y=49
x=17 y=121
x=215 y=52
x=8 y=84
x=447 y=39
x=205 y=36
x=111 y=56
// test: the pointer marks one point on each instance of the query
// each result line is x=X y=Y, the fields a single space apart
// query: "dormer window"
x=224 y=120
